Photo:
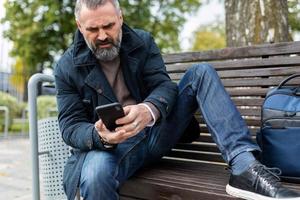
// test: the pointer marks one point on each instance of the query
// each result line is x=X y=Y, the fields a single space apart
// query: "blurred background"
x=35 y=33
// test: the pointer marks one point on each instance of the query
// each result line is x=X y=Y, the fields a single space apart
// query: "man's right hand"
x=111 y=137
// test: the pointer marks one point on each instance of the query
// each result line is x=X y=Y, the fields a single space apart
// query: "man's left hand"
x=137 y=117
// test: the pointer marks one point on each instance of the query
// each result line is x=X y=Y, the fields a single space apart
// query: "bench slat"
x=251 y=82
x=240 y=64
x=283 y=48
x=278 y=71
x=275 y=73
x=249 y=91
x=196 y=146
x=196 y=155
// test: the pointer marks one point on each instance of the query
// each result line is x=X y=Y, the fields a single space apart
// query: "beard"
x=106 y=54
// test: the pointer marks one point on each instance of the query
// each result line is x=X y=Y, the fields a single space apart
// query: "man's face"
x=102 y=30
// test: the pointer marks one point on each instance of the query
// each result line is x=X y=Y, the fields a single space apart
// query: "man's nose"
x=102 y=35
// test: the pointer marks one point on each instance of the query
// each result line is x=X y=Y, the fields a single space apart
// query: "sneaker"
x=259 y=183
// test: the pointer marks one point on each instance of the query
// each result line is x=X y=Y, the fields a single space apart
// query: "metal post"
x=33 y=131
x=6 y=119
x=24 y=113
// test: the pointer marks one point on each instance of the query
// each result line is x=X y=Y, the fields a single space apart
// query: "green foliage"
x=18 y=127
x=294 y=14
x=39 y=30
x=18 y=78
x=42 y=29
x=164 y=19
x=15 y=108
x=46 y=106
x=209 y=37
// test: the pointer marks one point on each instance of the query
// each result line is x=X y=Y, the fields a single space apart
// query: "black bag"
x=279 y=137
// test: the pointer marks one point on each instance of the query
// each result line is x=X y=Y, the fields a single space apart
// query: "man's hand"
x=137 y=117
x=112 y=137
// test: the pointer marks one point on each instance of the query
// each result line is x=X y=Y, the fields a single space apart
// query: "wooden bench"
x=196 y=170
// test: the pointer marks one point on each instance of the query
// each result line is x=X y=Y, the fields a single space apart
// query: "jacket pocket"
x=88 y=106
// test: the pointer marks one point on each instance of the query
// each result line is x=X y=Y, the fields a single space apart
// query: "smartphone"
x=109 y=113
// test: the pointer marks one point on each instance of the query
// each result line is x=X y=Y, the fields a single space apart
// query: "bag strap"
x=287 y=79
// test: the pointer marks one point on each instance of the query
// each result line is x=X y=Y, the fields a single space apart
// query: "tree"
x=164 y=19
x=209 y=37
x=42 y=29
x=294 y=15
x=254 y=22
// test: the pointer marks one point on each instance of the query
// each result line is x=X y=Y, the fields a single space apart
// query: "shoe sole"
x=251 y=195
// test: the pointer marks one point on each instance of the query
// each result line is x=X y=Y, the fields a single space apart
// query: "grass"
x=17 y=127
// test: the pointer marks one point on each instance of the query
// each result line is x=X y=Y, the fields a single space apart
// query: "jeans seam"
x=194 y=88
x=125 y=154
x=212 y=128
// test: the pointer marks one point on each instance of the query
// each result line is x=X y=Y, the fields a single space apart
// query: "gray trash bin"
x=48 y=151
x=53 y=154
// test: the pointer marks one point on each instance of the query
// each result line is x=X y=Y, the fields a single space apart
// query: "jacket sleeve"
x=75 y=126
x=163 y=92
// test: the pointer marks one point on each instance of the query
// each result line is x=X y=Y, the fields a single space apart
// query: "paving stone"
x=15 y=169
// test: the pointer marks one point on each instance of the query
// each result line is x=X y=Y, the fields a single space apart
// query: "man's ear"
x=121 y=16
x=79 y=26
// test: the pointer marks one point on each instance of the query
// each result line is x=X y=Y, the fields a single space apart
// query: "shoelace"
x=268 y=174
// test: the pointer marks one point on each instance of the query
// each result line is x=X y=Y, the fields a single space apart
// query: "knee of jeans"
x=97 y=175
x=202 y=68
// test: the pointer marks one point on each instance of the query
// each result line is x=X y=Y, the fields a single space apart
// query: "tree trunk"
x=256 y=21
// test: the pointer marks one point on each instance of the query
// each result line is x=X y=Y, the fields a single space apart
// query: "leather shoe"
x=259 y=183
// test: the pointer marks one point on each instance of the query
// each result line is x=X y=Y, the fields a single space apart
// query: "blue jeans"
x=200 y=88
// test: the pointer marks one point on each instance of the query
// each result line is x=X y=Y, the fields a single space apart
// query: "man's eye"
x=108 y=26
x=92 y=29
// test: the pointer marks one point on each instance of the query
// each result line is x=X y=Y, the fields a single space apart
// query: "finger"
x=114 y=137
x=127 y=109
x=126 y=135
x=103 y=127
x=98 y=125
x=129 y=134
x=128 y=127
x=129 y=117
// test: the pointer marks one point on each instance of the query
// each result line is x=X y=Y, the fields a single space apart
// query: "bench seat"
x=197 y=170
x=174 y=179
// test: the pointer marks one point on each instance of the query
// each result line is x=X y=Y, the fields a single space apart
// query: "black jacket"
x=81 y=86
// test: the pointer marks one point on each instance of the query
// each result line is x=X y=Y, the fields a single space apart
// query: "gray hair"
x=92 y=4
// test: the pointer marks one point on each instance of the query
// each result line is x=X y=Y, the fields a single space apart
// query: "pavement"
x=15 y=169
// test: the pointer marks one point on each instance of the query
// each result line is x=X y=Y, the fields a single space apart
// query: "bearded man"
x=110 y=62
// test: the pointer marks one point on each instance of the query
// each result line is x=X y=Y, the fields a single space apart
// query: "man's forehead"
x=107 y=9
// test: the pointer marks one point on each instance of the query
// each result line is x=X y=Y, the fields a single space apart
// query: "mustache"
x=103 y=42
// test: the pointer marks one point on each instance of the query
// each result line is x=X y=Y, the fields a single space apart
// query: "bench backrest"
x=247 y=74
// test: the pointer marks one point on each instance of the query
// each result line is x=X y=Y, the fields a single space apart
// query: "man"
x=111 y=62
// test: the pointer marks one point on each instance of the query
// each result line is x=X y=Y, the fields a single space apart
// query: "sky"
x=207 y=13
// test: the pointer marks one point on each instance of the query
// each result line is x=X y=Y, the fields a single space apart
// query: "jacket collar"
x=83 y=56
